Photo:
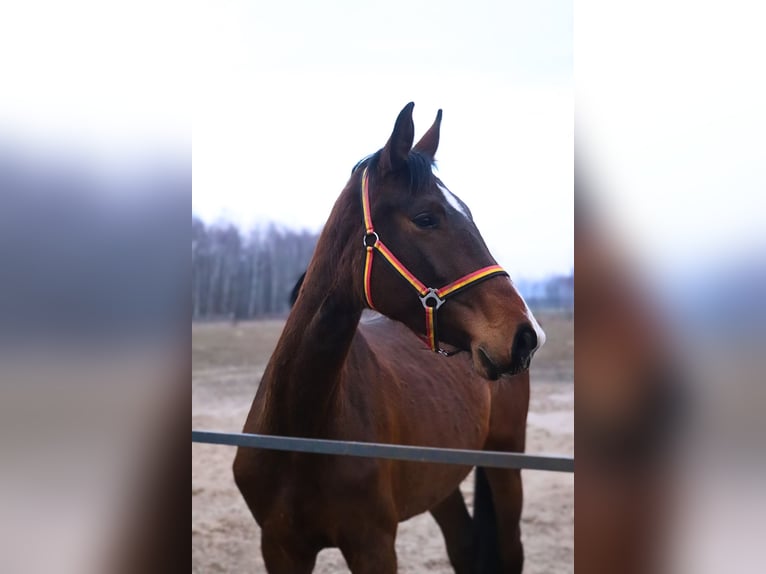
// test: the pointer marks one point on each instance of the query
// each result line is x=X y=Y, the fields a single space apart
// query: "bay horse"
x=399 y=242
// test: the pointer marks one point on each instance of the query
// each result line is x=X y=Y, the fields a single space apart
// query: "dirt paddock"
x=227 y=363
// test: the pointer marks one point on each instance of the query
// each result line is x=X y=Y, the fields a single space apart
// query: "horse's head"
x=420 y=224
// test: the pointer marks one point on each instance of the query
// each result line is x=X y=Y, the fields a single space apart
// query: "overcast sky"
x=281 y=99
x=290 y=95
x=286 y=97
x=671 y=124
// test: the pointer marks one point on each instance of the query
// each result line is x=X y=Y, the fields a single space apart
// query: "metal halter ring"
x=371 y=235
x=432 y=299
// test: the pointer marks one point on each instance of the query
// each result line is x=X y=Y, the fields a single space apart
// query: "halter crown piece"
x=432 y=299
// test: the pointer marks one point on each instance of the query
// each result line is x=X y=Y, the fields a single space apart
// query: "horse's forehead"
x=453 y=200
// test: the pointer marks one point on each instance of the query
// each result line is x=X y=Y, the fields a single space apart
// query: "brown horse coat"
x=334 y=377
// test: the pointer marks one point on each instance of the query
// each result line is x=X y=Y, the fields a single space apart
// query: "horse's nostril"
x=524 y=343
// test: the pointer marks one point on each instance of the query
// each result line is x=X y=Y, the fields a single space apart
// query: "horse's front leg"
x=370 y=550
x=507 y=498
x=286 y=554
x=508 y=424
x=455 y=523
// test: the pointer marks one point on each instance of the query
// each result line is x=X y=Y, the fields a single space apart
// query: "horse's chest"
x=316 y=494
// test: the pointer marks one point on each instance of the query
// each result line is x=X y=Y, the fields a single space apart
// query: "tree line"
x=238 y=275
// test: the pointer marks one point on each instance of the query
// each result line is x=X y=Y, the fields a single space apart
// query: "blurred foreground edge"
x=628 y=406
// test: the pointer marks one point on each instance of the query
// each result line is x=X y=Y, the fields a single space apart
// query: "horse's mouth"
x=522 y=367
x=493 y=372
x=516 y=371
x=490 y=369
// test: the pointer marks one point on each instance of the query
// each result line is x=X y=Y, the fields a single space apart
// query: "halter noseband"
x=431 y=298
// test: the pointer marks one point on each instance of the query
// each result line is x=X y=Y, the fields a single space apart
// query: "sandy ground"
x=227 y=364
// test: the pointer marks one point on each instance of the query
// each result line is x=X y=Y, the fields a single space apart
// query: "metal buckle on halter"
x=371 y=235
x=431 y=299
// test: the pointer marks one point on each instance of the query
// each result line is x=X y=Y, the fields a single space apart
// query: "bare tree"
x=245 y=276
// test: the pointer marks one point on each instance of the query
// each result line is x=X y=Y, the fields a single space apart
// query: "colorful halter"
x=431 y=298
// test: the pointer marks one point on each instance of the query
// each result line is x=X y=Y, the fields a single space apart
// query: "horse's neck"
x=305 y=372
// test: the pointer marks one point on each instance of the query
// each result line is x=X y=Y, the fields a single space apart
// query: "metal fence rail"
x=397 y=452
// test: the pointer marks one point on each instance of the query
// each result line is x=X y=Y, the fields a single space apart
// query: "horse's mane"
x=296 y=289
x=368 y=315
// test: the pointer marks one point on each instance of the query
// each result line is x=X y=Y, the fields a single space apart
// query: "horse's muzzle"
x=518 y=360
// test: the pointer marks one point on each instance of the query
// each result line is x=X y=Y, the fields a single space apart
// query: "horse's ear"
x=394 y=154
x=429 y=143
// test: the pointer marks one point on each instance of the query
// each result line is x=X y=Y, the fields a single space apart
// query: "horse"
x=445 y=363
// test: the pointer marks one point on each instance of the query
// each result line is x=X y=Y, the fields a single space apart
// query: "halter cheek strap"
x=432 y=299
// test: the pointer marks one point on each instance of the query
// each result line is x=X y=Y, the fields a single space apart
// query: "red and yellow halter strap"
x=431 y=298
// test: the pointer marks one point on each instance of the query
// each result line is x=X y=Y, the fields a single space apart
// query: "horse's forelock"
x=419 y=165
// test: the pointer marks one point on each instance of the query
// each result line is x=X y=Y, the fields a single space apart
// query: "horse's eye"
x=425 y=221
